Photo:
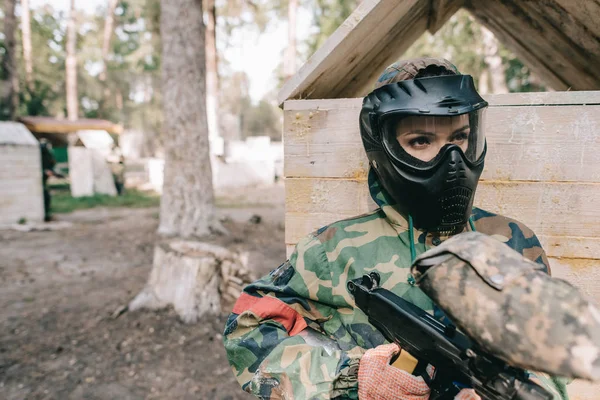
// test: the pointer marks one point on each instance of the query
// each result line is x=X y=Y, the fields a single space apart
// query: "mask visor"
x=420 y=141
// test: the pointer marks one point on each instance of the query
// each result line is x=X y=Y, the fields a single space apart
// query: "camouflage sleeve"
x=535 y=252
x=531 y=248
x=276 y=340
x=514 y=233
x=524 y=240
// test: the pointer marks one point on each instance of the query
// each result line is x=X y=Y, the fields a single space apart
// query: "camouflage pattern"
x=271 y=355
x=512 y=309
x=407 y=69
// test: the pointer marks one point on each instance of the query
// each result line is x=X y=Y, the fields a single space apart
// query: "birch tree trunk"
x=11 y=85
x=212 y=72
x=186 y=274
x=26 y=31
x=290 y=55
x=71 y=66
x=494 y=62
x=109 y=24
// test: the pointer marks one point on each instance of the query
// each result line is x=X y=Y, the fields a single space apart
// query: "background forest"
x=118 y=59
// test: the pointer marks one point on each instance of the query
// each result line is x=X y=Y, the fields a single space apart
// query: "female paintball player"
x=295 y=333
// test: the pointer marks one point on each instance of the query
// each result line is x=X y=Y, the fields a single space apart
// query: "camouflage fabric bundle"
x=295 y=333
x=512 y=309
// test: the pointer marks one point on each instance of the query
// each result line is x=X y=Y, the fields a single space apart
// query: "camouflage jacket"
x=295 y=334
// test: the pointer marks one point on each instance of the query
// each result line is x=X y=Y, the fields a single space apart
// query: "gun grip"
x=405 y=361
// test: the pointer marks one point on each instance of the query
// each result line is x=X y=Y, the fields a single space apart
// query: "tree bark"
x=109 y=25
x=186 y=275
x=10 y=94
x=193 y=277
x=290 y=56
x=71 y=66
x=212 y=71
x=26 y=30
x=187 y=203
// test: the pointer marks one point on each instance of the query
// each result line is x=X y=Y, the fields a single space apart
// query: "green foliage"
x=63 y=202
x=460 y=41
x=131 y=94
x=328 y=15
x=262 y=119
x=48 y=43
x=519 y=77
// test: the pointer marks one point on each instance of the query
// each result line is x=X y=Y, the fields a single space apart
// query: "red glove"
x=378 y=380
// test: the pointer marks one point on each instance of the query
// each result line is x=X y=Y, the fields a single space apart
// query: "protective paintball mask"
x=425 y=140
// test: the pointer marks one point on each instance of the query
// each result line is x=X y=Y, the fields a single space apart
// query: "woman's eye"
x=460 y=137
x=420 y=141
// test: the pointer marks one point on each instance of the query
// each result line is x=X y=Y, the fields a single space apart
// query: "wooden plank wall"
x=542 y=168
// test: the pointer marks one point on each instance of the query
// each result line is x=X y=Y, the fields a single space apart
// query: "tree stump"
x=190 y=276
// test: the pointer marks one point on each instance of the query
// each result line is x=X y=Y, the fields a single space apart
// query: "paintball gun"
x=457 y=361
x=508 y=317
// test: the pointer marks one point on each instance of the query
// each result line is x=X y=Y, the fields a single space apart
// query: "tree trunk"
x=11 y=91
x=483 y=86
x=290 y=56
x=185 y=274
x=212 y=71
x=494 y=62
x=109 y=24
x=177 y=268
x=71 y=66
x=193 y=277
x=26 y=30
x=187 y=204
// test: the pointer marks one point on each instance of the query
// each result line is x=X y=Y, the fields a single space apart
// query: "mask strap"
x=413 y=252
x=411 y=235
x=472 y=224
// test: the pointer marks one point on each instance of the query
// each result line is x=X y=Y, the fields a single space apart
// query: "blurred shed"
x=63 y=126
x=21 y=194
x=83 y=145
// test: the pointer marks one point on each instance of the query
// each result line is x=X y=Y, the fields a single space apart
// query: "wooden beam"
x=578 y=20
x=586 y=13
x=509 y=99
x=546 y=35
x=384 y=52
x=557 y=58
x=367 y=39
x=440 y=12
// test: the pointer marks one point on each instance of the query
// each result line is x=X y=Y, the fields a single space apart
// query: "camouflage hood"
x=386 y=203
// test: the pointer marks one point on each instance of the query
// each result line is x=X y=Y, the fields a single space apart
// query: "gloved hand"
x=378 y=380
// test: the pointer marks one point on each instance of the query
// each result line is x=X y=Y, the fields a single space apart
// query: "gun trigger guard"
x=427 y=378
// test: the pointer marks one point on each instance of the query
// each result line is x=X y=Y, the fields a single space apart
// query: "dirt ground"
x=58 y=290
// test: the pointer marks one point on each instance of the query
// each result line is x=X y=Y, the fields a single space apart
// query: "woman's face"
x=423 y=137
